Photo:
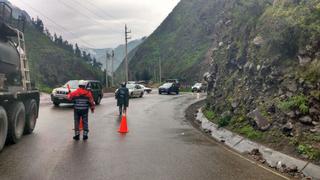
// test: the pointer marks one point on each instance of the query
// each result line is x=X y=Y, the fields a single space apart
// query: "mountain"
x=119 y=53
x=52 y=65
x=261 y=59
x=181 y=41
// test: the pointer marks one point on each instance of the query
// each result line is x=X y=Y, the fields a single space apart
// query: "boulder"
x=291 y=114
x=291 y=86
x=306 y=120
x=261 y=122
x=314 y=111
x=291 y=169
x=303 y=60
x=228 y=22
x=287 y=127
x=258 y=41
x=234 y=104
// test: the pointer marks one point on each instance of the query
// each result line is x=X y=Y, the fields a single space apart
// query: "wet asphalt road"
x=160 y=144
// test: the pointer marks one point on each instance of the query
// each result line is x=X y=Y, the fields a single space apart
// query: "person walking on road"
x=122 y=96
x=83 y=100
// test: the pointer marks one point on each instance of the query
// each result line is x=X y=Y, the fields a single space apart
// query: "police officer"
x=122 y=96
x=83 y=100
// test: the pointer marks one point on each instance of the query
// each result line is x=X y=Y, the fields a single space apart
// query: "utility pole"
x=160 y=73
x=112 y=68
x=107 y=57
x=126 y=59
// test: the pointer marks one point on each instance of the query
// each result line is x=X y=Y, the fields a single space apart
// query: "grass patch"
x=209 y=114
x=251 y=133
x=188 y=89
x=308 y=150
x=300 y=102
x=45 y=89
x=224 y=121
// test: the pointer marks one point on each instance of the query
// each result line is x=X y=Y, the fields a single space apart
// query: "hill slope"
x=263 y=63
x=51 y=65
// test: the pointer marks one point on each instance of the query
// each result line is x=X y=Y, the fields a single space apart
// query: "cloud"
x=99 y=22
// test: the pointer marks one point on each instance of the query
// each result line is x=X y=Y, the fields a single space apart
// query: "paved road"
x=161 y=144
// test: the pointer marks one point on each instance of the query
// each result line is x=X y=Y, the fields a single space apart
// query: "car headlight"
x=54 y=92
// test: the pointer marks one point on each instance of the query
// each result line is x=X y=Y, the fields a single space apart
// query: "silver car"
x=135 y=90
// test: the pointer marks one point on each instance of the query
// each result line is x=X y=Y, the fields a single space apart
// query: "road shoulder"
x=244 y=146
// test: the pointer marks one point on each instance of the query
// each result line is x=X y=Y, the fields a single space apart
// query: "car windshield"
x=167 y=85
x=130 y=86
x=197 y=84
x=142 y=86
x=74 y=84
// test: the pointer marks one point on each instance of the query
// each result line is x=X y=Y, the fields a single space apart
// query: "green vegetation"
x=250 y=132
x=309 y=151
x=209 y=114
x=300 y=102
x=224 y=121
x=52 y=65
x=311 y=72
x=185 y=89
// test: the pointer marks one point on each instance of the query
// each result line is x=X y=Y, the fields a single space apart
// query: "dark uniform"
x=83 y=100
x=122 y=97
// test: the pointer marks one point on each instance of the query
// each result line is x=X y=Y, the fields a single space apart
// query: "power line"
x=100 y=10
x=71 y=7
x=61 y=27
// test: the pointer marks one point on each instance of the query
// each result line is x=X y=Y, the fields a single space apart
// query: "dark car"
x=59 y=95
x=169 y=88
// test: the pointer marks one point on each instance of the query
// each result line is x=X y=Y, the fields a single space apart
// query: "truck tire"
x=31 y=116
x=3 y=127
x=16 y=121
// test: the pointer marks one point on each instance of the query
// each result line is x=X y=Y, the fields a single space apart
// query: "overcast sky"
x=99 y=23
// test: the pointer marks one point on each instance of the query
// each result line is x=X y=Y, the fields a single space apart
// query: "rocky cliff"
x=264 y=77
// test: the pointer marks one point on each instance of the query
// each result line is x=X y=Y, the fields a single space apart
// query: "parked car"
x=198 y=87
x=135 y=90
x=175 y=81
x=169 y=88
x=59 y=95
x=146 y=89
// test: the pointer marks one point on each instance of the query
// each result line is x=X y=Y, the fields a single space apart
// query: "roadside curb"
x=243 y=145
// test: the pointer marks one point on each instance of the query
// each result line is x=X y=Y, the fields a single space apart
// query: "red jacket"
x=82 y=92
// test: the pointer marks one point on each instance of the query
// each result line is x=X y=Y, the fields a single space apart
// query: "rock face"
x=266 y=63
x=306 y=120
x=261 y=122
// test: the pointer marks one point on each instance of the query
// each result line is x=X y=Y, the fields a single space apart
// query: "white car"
x=146 y=89
x=135 y=90
x=198 y=87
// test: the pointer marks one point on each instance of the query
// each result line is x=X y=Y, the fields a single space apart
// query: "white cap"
x=82 y=83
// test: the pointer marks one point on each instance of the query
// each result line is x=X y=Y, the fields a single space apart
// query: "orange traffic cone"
x=123 y=125
x=80 y=124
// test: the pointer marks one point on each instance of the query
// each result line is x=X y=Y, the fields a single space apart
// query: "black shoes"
x=85 y=137
x=76 y=137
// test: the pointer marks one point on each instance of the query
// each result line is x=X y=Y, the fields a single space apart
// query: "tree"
x=145 y=75
x=39 y=25
x=77 y=51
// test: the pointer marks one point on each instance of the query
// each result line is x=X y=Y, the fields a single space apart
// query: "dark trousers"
x=84 y=115
x=122 y=108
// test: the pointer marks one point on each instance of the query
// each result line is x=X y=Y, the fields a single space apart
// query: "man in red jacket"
x=83 y=100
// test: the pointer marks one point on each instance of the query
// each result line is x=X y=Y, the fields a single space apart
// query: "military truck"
x=19 y=101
